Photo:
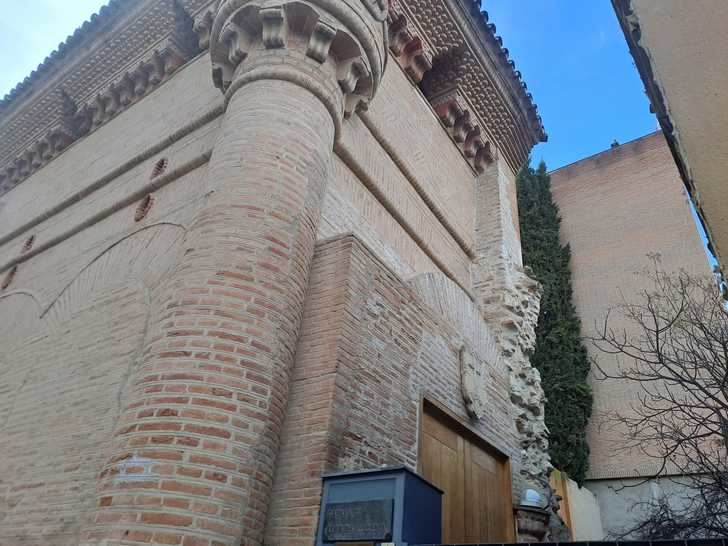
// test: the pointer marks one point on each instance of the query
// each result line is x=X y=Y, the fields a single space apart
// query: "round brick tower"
x=199 y=435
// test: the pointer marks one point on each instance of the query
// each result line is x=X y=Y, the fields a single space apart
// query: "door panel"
x=476 y=504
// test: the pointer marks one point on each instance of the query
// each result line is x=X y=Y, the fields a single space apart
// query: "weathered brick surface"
x=509 y=300
x=616 y=207
x=62 y=399
x=370 y=349
x=143 y=384
x=212 y=387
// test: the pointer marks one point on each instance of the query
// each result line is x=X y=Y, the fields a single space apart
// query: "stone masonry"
x=241 y=242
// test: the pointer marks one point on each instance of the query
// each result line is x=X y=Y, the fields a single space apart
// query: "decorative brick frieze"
x=203 y=26
x=418 y=31
x=77 y=106
x=466 y=52
x=322 y=31
x=76 y=121
x=184 y=37
x=433 y=45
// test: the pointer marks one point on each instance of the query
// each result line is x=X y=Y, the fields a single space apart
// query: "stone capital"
x=334 y=48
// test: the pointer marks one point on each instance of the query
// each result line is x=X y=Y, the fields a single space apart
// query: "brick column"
x=193 y=457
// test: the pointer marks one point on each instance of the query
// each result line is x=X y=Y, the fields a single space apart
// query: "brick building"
x=617 y=207
x=674 y=45
x=244 y=243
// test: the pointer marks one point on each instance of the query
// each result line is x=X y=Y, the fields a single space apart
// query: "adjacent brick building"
x=244 y=243
x=617 y=207
x=674 y=45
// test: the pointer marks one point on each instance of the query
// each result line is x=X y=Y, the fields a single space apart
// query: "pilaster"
x=509 y=300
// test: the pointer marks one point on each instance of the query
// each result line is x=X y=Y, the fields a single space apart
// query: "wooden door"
x=476 y=505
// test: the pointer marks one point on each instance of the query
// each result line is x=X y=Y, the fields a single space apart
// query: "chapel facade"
x=246 y=243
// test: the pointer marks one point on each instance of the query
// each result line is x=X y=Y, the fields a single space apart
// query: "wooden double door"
x=476 y=505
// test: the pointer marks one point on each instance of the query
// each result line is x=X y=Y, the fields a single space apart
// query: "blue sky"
x=31 y=29
x=577 y=65
x=571 y=52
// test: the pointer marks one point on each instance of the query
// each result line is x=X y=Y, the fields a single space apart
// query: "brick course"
x=369 y=351
x=226 y=338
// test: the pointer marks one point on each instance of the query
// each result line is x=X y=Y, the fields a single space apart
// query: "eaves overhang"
x=131 y=46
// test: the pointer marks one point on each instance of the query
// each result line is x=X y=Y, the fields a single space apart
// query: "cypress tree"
x=560 y=355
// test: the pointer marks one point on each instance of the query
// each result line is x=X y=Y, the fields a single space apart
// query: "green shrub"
x=560 y=355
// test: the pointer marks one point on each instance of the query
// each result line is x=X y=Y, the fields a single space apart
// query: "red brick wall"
x=370 y=349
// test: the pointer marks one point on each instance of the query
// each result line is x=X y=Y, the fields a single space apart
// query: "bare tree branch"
x=675 y=350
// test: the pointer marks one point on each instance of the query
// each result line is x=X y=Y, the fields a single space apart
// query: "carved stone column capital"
x=334 y=48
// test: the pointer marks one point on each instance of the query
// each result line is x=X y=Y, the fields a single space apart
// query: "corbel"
x=411 y=52
x=466 y=130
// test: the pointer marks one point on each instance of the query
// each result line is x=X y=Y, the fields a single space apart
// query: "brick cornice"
x=130 y=47
x=334 y=48
x=410 y=51
x=468 y=55
x=114 y=59
x=457 y=114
